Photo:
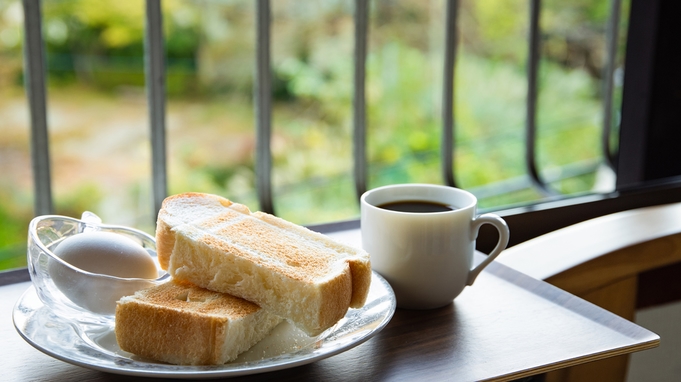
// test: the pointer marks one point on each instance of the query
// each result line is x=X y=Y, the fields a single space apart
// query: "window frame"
x=645 y=174
x=647 y=123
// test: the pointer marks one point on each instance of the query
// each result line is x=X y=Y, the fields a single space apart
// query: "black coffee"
x=416 y=206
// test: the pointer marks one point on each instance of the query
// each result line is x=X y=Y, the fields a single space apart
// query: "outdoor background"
x=99 y=126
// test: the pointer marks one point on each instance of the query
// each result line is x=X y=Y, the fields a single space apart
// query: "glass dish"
x=94 y=346
x=84 y=296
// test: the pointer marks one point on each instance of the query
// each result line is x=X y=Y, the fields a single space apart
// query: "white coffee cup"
x=427 y=257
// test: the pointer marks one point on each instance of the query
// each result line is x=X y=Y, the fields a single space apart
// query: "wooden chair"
x=602 y=261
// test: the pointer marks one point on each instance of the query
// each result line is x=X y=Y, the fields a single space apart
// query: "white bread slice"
x=287 y=269
x=183 y=324
x=184 y=208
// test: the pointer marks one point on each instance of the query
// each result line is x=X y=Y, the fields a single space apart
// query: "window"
x=99 y=141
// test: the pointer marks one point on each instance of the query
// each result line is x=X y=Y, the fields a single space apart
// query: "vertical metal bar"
x=612 y=37
x=359 y=99
x=263 y=107
x=34 y=74
x=156 y=93
x=532 y=92
x=447 y=144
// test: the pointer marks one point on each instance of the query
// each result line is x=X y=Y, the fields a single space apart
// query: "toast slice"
x=300 y=275
x=183 y=324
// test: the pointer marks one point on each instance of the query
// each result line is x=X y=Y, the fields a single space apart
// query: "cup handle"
x=504 y=235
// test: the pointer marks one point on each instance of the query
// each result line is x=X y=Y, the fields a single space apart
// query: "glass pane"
x=99 y=125
x=490 y=101
x=570 y=117
x=210 y=119
x=97 y=110
x=312 y=57
x=404 y=75
x=491 y=91
x=16 y=182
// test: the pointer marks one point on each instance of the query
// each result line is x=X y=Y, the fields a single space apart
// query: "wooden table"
x=506 y=326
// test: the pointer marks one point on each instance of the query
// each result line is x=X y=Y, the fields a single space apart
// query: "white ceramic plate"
x=95 y=347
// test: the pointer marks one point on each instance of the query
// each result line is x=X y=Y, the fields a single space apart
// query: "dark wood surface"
x=506 y=326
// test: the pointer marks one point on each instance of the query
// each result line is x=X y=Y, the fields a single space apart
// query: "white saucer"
x=95 y=346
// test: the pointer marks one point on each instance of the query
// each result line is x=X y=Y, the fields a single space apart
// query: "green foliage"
x=401 y=99
x=14 y=218
x=81 y=198
x=492 y=28
x=210 y=61
x=404 y=126
x=103 y=46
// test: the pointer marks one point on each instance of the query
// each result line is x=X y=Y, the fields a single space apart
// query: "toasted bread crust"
x=359 y=263
x=174 y=212
x=182 y=324
x=212 y=264
x=277 y=264
x=165 y=241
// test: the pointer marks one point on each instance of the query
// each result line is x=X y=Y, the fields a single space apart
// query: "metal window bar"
x=263 y=107
x=156 y=90
x=532 y=94
x=612 y=39
x=35 y=73
x=359 y=100
x=447 y=144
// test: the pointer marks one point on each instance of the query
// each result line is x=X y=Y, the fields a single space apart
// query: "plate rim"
x=189 y=371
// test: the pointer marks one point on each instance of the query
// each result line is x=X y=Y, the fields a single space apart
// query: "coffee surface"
x=420 y=206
